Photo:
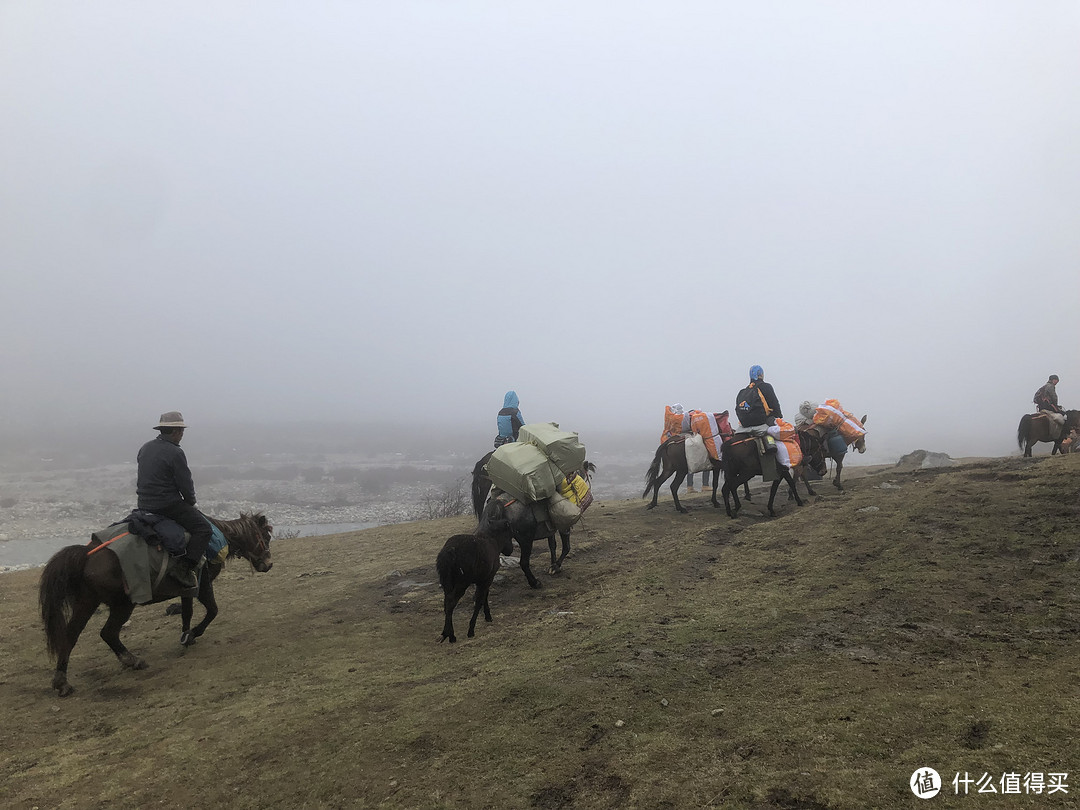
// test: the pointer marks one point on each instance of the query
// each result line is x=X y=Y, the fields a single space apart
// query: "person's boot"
x=185 y=572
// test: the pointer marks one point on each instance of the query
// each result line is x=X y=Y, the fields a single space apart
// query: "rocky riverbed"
x=49 y=506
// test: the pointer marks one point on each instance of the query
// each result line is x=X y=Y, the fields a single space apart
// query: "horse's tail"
x=59 y=582
x=479 y=490
x=447 y=566
x=654 y=470
x=1024 y=430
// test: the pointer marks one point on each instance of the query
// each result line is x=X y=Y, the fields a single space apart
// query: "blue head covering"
x=756 y=373
x=510 y=400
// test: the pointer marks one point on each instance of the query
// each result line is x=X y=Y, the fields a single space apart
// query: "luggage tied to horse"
x=713 y=428
x=832 y=416
x=562 y=448
x=146 y=546
x=541 y=468
x=788 y=451
x=676 y=421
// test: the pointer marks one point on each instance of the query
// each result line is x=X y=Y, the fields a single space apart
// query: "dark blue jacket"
x=164 y=478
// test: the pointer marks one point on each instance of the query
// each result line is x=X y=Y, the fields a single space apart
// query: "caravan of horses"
x=523 y=491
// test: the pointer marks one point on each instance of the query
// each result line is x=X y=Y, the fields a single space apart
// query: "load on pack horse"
x=836 y=429
x=529 y=521
x=79 y=578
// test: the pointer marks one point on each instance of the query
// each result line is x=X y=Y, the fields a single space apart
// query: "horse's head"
x=860 y=444
x=249 y=537
x=587 y=470
x=495 y=523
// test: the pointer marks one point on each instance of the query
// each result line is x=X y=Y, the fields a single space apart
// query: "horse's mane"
x=248 y=525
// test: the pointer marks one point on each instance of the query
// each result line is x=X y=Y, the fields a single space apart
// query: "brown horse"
x=741 y=463
x=670 y=459
x=77 y=581
x=1035 y=427
x=524 y=527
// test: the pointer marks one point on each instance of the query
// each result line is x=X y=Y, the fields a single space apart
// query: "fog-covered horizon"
x=391 y=214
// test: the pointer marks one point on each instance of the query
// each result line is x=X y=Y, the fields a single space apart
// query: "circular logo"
x=925 y=783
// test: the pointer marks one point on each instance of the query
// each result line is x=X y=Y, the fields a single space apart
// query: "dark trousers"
x=193 y=522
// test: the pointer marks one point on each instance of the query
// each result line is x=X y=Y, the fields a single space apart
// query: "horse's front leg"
x=556 y=564
x=120 y=612
x=731 y=489
x=772 y=495
x=207 y=600
x=523 y=561
x=746 y=491
x=839 y=469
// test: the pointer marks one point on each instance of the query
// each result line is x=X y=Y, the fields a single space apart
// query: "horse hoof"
x=537 y=585
x=65 y=690
x=186 y=639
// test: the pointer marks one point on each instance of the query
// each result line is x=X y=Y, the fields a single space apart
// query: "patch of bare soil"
x=924 y=618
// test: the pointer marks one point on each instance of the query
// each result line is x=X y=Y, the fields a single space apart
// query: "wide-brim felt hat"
x=170 y=419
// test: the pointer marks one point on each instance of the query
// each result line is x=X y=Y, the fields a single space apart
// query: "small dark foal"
x=471 y=559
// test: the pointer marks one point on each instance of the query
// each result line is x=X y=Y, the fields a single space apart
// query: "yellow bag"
x=576 y=489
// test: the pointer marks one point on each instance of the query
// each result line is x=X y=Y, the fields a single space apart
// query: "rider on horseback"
x=164 y=486
x=510 y=420
x=1046 y=401
x=757 y=405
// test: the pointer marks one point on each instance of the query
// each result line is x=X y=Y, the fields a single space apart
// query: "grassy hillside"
x=924 y=619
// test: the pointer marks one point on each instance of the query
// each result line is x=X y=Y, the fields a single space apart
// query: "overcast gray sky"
x=335 y=211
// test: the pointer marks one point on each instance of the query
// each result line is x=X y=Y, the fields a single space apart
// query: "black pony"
x=524 y=523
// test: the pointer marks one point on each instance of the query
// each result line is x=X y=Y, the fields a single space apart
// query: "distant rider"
x=510 y=420
x=1046 y=400
x=164 y=486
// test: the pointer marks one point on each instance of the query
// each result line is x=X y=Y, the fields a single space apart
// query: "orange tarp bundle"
x=788 y=450
x=832 y=416
x=673 y=423
x=713 y=428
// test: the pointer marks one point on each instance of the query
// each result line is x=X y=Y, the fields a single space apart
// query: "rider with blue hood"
x=757 y=403
x=510 y=420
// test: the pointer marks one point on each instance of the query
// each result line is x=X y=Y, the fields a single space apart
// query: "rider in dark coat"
x=757 y=403
x=165 y=487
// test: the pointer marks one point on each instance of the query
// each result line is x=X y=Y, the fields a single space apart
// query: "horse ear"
x=863 y=420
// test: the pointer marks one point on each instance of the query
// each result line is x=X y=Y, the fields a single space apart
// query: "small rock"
x=620 y=723
x=717 y=712
x=868 y=509
x=663 y=702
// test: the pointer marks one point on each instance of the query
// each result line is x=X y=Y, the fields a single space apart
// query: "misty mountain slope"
x=927 y=618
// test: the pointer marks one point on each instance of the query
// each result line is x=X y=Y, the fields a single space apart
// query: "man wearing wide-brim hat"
x=164 y=486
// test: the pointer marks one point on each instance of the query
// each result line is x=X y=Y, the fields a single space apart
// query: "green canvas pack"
x=563 y=448
x=523 y=470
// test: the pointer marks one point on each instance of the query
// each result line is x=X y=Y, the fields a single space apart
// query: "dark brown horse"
x=670 y=459
x=741 y=463
x=526 y=530
x=1035 y=427
x=813 y=457
x=77 y=581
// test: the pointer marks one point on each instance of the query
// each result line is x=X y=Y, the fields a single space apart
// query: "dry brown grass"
x=814 y=660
